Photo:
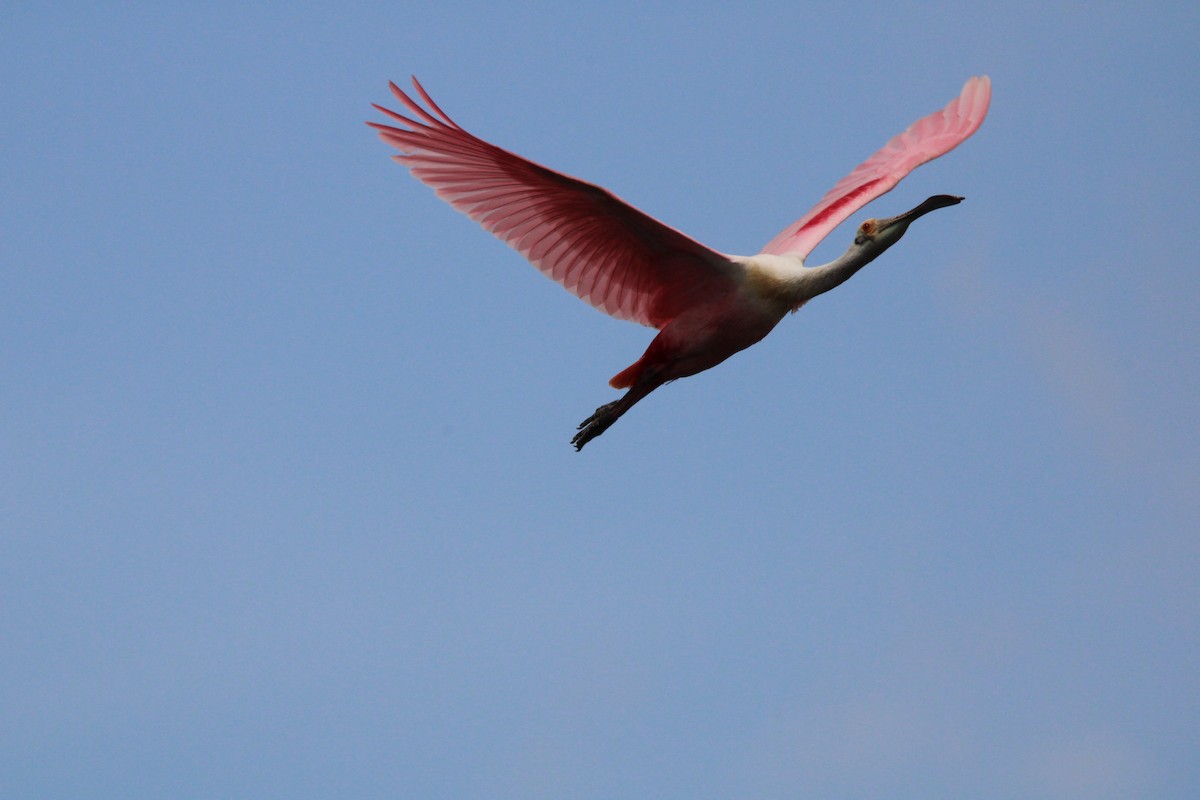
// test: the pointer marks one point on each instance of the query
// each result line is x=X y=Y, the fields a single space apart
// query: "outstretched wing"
x=600 y=248
x=925 y=140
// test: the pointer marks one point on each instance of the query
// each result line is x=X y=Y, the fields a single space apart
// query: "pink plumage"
x=597 y=246
x=706 y=305
x=925 y=140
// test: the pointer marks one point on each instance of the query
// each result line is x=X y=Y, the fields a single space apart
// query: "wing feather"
x=925 y=140
x=600 y=248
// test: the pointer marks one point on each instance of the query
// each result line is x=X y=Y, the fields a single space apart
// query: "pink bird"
x=706 y=305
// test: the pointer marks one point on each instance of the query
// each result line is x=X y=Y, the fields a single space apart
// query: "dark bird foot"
x=596 y=424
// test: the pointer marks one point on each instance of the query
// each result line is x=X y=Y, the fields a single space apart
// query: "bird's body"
x=706 y=305
x=730 y=317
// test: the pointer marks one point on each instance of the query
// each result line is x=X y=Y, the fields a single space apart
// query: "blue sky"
x=287 y=504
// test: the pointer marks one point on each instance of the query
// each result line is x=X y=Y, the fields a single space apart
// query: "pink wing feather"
x=925 y=140
x=597 y=246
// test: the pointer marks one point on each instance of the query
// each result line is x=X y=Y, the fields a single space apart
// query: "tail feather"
x=628 y=376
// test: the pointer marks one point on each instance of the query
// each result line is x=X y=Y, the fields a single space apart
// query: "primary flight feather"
x=706 y=305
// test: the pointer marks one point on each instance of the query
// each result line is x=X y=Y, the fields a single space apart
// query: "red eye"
x=868 y=226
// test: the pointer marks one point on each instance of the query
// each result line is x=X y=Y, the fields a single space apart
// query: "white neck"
x=801 y=284
x=818 y=280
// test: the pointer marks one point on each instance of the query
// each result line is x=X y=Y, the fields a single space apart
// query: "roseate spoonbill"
x=706 y=305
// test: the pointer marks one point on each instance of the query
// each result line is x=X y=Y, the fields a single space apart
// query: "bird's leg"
x=596 y=424
x=600 y=421
x=607 y=414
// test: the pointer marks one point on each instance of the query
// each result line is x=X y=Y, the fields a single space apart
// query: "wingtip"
x=981 y=85
x=973 y=101
x=982 y=100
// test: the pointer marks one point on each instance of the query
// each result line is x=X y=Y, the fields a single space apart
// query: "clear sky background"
x=288 y=507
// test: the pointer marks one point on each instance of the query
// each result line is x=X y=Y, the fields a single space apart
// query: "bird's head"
x=877 y=235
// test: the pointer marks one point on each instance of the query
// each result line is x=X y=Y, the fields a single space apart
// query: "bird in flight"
x=705 y=305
